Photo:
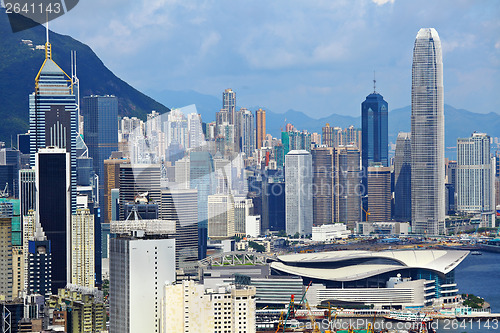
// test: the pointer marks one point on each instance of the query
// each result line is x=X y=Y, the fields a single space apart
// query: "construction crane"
x=281 y=322
x=315 y=327
x=5 y=192
x=367 y=213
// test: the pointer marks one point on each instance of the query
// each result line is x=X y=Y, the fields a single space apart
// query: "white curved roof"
x=427 y=33
x=441 y=261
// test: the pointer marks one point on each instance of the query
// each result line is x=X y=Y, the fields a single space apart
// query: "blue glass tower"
x=202 y=178
x=100 y=128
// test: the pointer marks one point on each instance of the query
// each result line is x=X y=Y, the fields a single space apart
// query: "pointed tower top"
x=48 y=47
x=374 y=83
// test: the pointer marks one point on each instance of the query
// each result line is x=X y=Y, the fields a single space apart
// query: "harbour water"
x=478 y=275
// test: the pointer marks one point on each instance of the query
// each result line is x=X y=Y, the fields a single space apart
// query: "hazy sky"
x=314 y=56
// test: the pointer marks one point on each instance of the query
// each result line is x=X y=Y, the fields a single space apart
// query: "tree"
x=257 y=246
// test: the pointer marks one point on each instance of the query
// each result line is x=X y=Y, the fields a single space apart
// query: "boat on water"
x=476 y=253
x=407 y=316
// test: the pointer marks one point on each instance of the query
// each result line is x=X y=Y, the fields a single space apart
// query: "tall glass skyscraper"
x=402 y=178
x=100 y=132
x=427 y=135
x=374 y=137
x=53 y=115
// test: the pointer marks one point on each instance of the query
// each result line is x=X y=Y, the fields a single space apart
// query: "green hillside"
x=19 y=65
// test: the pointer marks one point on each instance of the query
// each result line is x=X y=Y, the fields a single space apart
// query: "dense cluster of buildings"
x=88 y=195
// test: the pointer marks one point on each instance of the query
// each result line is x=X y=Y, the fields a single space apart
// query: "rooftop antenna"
x=374 y=83
x=48 y=48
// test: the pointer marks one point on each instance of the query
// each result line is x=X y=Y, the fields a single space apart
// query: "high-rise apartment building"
x=332 y=136
x=379 y=194
x=53 y=204
x=323 y=183
x=244 y=131
x=100 y=114
x=427 y=135
x=229 y=103
x=6 y=258
x=402 y=178
x=475 y=174
x=260 y=126
x=139 y=267
x=82 y=249
x=298 y=192
x=111 y=181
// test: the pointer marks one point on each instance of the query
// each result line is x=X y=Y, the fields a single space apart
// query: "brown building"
x=323 y=184
x=260 y=127
x=379 y=194
x=111 y=180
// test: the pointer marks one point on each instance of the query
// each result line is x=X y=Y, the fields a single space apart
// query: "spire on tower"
x=374 y=83
x=48 y=47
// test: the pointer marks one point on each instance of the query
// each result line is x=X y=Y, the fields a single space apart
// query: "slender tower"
x=427 y=135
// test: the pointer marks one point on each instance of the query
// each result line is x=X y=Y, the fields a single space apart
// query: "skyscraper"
x=220 y=216
x=348 y=189
x=323 y=182
x=53 y=118
x=53 y=204
x=260 y=124
x=82 y=249
x=427 y=135
x=244 y=131
x=475 y=174
x=402 y=178
x=100 y=132
x=379 y=194
x=229 y=103
x=298 y=192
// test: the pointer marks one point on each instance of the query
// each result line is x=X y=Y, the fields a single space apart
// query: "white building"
x=253 y=226
x=82 y=249
x=427 y=135
x=182 y=173
x=243 y=208
x=475 y=174
x=220 y=216
x=329 y=232
x=298 y=192
x=196 y=137
x=139 y=267
x=177 y=129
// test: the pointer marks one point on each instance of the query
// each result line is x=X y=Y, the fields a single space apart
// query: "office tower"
x=53 y=204
x=243 y=208
x=82 y=249
x=298 y=192
x=39 y=269
x=279 y=155
x=182 y=170
x=27 y=190
x=141 y=208
x=427 y=135
x=323 y=185
x=220 y=216
x=348 y=188
x=139 y=266
x=111 y=181
x=10 y=161
x=181 y=206
x=402 y=178
x=276 y=202
x=53 y=123
x=379 y=194
x=260 y=126
x=244 y=131
x=100 y=131
x=10 y=208
x=23 y=144
x=136 y=179
x=201 y=177
x=374 y=120
x=475 y=174
x=451 y=186
x=6 y=257
x=229 y=103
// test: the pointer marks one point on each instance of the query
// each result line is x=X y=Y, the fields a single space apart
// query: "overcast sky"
x=314 y=56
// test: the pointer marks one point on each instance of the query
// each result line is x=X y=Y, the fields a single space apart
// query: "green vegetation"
x=257 y=246
x=282 y=233
x=473 y=301
x=20 y=65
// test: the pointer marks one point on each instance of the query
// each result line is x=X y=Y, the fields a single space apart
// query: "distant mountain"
x=458 y=122
x=20 y=64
